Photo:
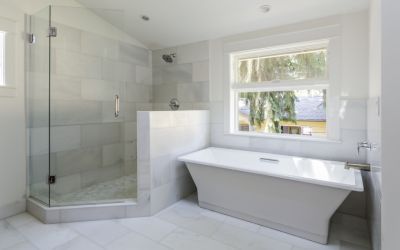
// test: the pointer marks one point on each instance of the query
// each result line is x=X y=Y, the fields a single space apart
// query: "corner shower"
x=82 y=98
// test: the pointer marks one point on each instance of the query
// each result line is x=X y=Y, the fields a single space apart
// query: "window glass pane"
x=2 y=55
x=299 y=112
x=310 y=64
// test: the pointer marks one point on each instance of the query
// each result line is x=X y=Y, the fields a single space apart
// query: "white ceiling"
x=176 y=22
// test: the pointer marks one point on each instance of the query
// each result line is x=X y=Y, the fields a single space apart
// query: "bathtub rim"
x=358 y=187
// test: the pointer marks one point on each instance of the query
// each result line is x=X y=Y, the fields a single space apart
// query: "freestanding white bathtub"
x=290 y=194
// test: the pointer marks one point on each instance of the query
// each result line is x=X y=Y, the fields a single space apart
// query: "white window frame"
x=9 y=28
x=330 y=36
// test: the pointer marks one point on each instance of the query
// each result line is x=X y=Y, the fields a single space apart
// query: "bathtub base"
x=322 y=239
x=294 y=207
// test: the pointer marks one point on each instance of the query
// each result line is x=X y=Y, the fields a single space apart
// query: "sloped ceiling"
x=175 y=22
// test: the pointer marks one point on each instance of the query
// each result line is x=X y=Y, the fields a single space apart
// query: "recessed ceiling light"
x=145 y=18
x=265 y=8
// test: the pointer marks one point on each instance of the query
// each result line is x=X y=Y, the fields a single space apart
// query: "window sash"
x=280 y=85
x=236 y=112
x=283 y=50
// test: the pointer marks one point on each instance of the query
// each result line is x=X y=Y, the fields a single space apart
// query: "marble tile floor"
x=183 y=226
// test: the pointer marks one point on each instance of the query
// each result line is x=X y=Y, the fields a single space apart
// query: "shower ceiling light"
x=265 y=8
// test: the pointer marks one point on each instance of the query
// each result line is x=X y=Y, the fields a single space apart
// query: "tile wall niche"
x=88 y=145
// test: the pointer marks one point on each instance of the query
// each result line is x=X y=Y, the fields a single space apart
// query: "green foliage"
x=304 y=65
x=271 y=107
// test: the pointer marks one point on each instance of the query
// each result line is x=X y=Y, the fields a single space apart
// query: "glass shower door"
x=38 y=106
x=87 y=121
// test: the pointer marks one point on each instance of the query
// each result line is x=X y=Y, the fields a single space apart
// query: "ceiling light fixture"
x=145 y=18
x=265 y=8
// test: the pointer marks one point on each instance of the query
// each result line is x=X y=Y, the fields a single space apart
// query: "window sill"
x=284 y=137
x=8 y=91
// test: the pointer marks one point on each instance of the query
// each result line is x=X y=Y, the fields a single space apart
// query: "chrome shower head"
x=169 y=58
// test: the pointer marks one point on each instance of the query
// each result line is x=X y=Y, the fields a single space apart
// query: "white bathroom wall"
x=163 y=136
x=374 y=183
x=12 y=126
x=390 y=122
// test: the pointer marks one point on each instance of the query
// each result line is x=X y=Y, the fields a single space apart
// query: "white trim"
x=285 y=137
x=281 y=86
x=9 y=27
x=328 y=36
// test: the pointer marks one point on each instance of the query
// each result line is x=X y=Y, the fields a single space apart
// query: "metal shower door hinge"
x=52 y=32
x=52 y=179
x=31 y=38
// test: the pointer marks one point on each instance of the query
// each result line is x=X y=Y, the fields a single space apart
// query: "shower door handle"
x=116 y=114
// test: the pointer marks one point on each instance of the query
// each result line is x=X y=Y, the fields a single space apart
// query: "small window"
x=2 y=58
x=281 y=90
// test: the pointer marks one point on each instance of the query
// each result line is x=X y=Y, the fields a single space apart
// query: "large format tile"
x=101 y=232
x=193 y=52
x=79 y=243
x=47 y=236
x=190 y=219
x=9 y=236
x=182 y=239
x=100 y=46
x=152 y=227
x=134 y=241
x=23 y=246
x=20 y=219
x=244 y=239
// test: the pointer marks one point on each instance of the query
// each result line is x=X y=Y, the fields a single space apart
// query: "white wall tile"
x=76 y=64
x=67 y=38
x=75 y=112
x=138 y=93
x=100 y=46
x=144 y=75
x=201 y=71
x=164 y=93
x=193 y=92
x=169 y=74
x=99 y=90
x=65 y=138
x=112 y=154
x=133 y=54
x=193 y=52
x=353 y=114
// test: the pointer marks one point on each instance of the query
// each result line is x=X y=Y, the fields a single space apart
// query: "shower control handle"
x=117 y=108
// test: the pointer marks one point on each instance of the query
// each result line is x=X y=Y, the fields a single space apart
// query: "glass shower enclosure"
x=81 y=101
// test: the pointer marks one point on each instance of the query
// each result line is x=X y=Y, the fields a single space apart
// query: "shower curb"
x=53 y=215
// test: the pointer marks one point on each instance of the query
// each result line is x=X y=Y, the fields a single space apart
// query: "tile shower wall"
x=187 y=78
x=88 y=145
x=164 y=136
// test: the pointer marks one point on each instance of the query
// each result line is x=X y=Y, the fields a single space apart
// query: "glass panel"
x=38 y=107
x=311 y=64
x=94 y=69
x=299 y=112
